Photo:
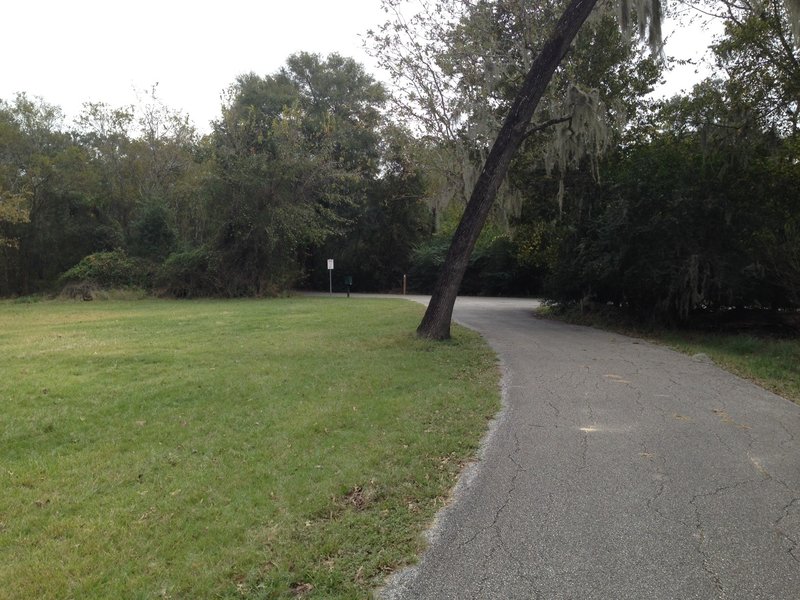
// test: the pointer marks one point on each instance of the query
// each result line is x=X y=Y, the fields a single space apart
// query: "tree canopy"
x=605 y=195
x=298 y=159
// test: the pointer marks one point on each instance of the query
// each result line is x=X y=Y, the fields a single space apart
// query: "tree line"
x=300 y=165
x=661 y=207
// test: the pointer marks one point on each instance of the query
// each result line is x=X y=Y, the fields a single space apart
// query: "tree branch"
x=542 y=126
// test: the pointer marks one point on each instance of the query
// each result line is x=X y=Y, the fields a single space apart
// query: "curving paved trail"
x=617 y=470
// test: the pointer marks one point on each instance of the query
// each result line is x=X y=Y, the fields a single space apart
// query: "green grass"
x=771 y=362
x=226 y=449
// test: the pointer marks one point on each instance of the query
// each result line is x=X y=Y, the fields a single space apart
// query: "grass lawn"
x=226 y=449
x=771 y=362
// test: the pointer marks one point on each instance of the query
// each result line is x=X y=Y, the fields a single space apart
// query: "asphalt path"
x=618 y=469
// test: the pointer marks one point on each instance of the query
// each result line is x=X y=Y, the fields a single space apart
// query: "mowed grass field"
x=226 y=449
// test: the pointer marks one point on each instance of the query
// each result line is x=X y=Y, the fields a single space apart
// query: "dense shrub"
x=190 y=274
x=676 y=229
x=110 y=270
x=152 y=236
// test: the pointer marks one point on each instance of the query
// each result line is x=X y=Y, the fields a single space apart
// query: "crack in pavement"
x=487 y=576
x=509 y=493
x=792 y=541
x=663 y=480
x=496 y=532
x=520 y=567
x=715 y=578
x=495 y=526
x=638 y=401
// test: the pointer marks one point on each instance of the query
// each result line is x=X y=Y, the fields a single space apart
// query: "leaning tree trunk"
x=436 y=322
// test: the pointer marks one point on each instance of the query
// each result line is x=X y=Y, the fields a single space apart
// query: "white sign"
x=330 y=264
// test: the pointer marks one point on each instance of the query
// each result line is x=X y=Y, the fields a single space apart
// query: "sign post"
x=330 y=276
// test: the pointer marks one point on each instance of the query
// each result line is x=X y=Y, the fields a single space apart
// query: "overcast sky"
x=73 y=51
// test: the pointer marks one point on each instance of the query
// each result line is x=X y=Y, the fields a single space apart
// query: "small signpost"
x=330 y=276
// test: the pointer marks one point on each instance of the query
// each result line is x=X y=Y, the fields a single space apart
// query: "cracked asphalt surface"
x=618 y=469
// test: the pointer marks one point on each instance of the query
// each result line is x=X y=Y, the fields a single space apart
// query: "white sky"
x=72 y=51
x=686 y=42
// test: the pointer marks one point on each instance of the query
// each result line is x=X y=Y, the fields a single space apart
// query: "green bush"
x=190 y=274
x=110 y=270
x=152 y=236
x=494 y=266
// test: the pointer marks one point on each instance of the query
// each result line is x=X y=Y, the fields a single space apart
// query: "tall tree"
x=294 y=150
x=14 y=197
x=516 y=126
x=760 y=64
x=43 y=164
x=436 y=321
